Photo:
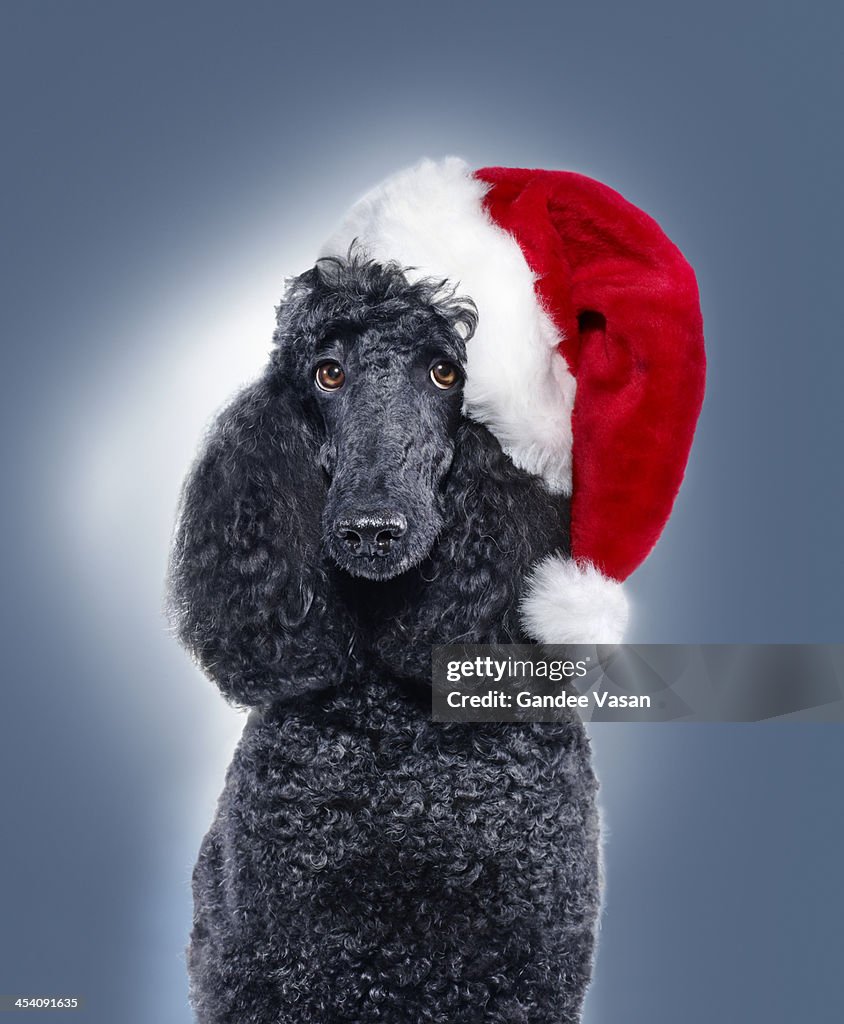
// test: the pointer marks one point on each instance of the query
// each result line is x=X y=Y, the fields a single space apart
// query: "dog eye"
x=330 y=376
x=445 y=375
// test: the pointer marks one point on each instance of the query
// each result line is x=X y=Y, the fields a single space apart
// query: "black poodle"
x=366 y=864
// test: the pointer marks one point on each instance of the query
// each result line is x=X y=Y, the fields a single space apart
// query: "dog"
x=366 y=864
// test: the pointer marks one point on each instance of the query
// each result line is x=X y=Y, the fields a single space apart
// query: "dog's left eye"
x=330 y=376
x=445 y=375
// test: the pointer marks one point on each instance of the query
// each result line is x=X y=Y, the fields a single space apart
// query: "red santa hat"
x=587 y=364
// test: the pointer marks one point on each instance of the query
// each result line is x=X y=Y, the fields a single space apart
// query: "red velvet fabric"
x=626 y=302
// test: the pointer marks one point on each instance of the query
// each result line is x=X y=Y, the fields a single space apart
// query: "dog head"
x=343 y=507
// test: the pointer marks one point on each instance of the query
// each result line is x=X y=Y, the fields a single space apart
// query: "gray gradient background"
x=164 y=166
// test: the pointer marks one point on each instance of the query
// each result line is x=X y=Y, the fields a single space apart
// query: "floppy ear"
x=250 y=592
x=499 y=521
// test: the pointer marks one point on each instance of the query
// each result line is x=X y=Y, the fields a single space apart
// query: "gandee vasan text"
x=526 y=699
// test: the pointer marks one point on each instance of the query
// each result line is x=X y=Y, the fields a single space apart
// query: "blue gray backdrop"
x=164 y=166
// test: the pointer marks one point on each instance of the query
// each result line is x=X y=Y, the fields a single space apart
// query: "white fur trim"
x=431 y=218
x=569 y=602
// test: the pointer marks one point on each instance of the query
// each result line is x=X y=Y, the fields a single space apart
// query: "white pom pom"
x=570 y=602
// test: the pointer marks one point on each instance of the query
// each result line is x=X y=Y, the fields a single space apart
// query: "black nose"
x=372 y=534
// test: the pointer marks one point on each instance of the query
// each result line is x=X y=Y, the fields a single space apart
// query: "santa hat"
x=587 y=364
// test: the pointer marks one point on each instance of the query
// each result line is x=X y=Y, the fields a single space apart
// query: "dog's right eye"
x=330 y=376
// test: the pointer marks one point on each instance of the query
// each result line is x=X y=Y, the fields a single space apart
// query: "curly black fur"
x=365 y=864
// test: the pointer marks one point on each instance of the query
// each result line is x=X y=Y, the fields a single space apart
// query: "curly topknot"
x=362 y=291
